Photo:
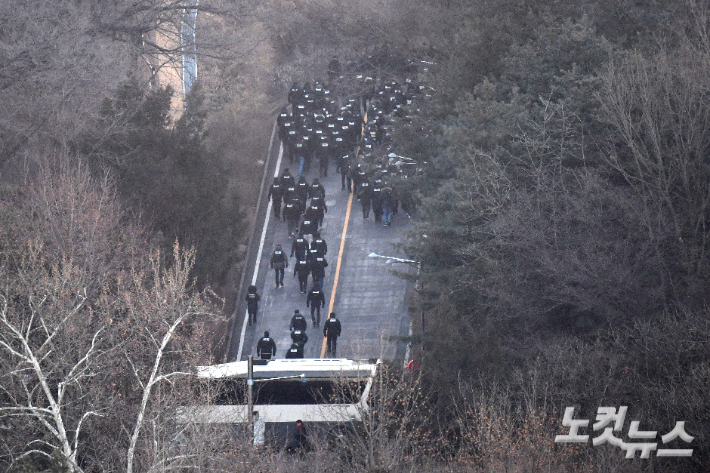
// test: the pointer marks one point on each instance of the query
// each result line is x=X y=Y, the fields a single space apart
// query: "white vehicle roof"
x=321 y=369
x=315 y=368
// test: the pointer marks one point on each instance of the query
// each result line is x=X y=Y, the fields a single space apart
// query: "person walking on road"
x=318 y=265
x=298 y=322
x=278 y=263
x=299 y=247
x=388 y=205
x=319 y=245
x=291 y=215
x=365 y=197
x=266 y=347
x=302 y=268
x=252 y=303
x=299 y=337
x=315 y=300
x=316 y=189
x=331 y=332
x=296 y=351
x=276 y=193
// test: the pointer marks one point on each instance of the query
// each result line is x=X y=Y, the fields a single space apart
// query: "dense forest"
x=563 y=204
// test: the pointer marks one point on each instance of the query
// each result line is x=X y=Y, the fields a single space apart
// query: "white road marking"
x=258 y=256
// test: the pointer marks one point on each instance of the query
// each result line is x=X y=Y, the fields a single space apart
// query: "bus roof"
x=309 y=368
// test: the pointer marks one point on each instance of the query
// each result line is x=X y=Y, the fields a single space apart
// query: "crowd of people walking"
x=353 y=134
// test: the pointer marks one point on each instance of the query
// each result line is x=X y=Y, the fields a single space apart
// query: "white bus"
x=316 y=390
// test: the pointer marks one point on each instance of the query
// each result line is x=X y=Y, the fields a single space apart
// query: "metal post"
x=250 y=399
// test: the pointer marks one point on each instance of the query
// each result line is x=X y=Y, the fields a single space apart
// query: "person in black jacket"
x=345 y=173
x=299 y=247
x=252 y=303
x=266 y=347
x=316 y=189
x=319 y=245
x=315 y=300
x=376 y=197
x=308 y=227
x=276 y=193
x=334 y=69
x=302 y=268
x=315 y=212
x=278 y=263
x=318 y=265
x=299 y=337
x=292 y=214
x=296 y=351
x=287 y=180
x=298 y=321
x=294 y=95
x=302 y=188
x=365 y=196
x=331 y=332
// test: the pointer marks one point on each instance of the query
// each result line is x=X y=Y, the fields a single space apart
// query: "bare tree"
x=396 y=425
x=91 y=324
x=657 y=111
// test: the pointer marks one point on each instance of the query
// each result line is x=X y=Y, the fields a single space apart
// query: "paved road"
x=368 y=299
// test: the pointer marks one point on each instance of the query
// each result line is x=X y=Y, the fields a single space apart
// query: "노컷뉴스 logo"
x=607 y=415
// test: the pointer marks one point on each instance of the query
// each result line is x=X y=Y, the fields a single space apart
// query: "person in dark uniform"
x=323 y=151
x=287 y=180
x=302 y=268
x=293 y=136
x=388 y=205
x=299 y=247
x=292 y=214
x=315 y=213
x=319 y=245
x=300 y=154
x=298 y=321
x=294 y=95
x=344 y=168
x=308 y=226
x=318 y=265
x=315 y=300
x=302 y=187
x=316 y=189
x=252 y=303
x=278 y=263
x=365 y=196
x=318 y=94
x=283 y=121
x=299 y=336
x=296 y=351
x=334 y=69
x=290 y=195
x=320 y=201
x=266 y=347
x=331 y=332
x=358 y=176
x=377 y=201
x=276 y=193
